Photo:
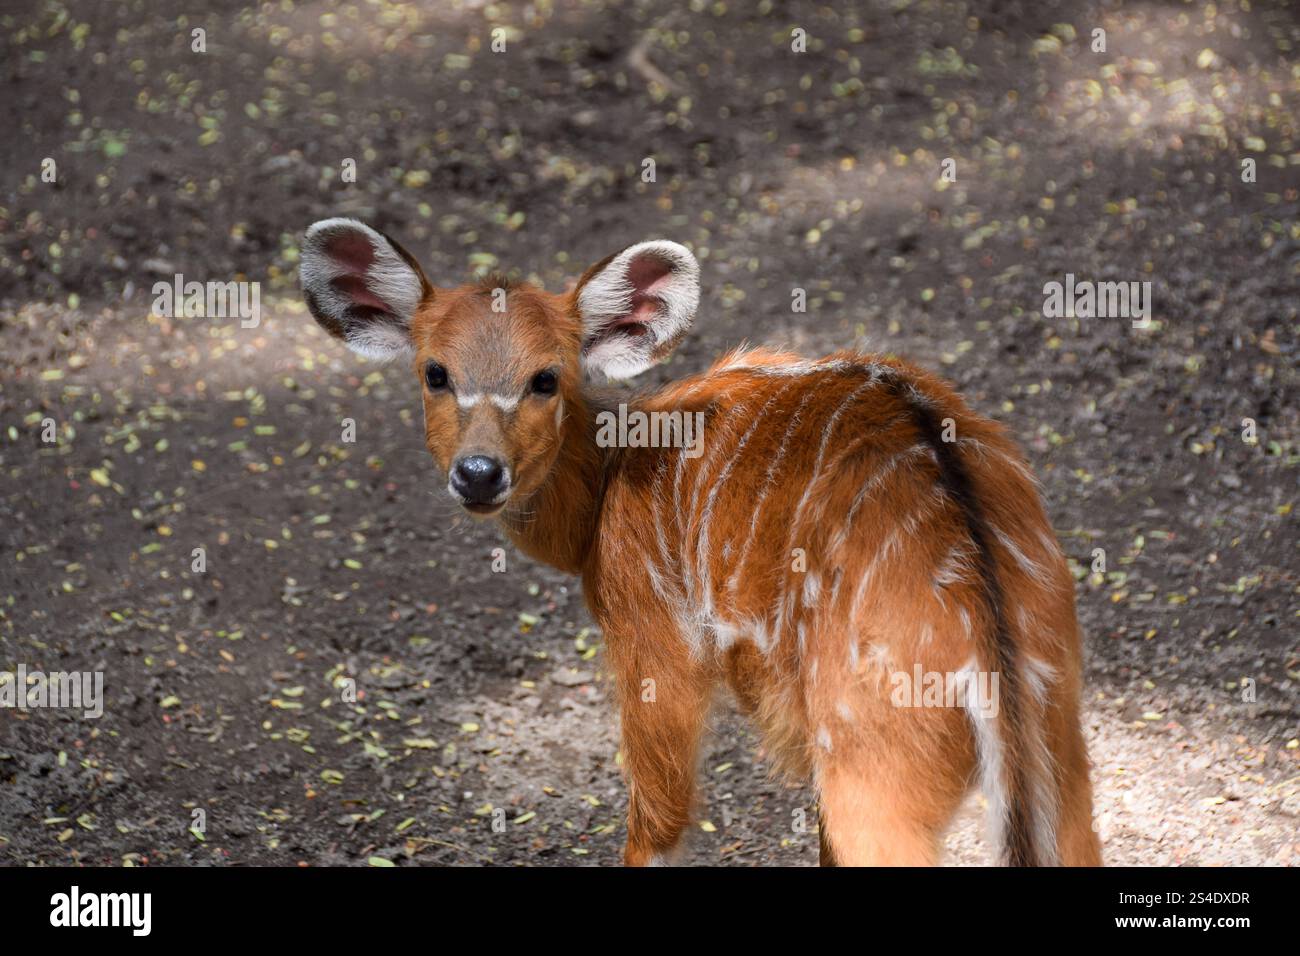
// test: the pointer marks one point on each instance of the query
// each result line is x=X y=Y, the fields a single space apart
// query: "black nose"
x=478 y=479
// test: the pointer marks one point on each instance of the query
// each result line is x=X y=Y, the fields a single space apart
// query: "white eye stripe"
x=507 y=403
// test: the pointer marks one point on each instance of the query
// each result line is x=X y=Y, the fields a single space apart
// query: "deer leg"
x=665 y=698
x=1077 y=842
x=888 y=796
x=825 y=855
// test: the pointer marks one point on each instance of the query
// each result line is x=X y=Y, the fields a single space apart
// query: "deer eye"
x=435 y=376
x=544 y=382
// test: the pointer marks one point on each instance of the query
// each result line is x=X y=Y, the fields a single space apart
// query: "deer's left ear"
x=635 y=306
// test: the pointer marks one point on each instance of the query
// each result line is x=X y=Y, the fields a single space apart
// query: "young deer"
x=850 y=522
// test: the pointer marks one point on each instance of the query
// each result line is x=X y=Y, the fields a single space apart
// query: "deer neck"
x=557 y=523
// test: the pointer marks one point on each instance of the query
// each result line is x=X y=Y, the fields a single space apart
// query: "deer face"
x=499 y=364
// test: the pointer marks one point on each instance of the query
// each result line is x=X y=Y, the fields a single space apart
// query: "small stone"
x=572 y=678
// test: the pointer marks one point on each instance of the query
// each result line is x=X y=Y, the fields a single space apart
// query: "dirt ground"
x=480 y=690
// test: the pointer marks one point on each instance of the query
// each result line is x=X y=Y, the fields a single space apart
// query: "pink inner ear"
x=351 y=250
x=646 y=275
x=354 y=287
x=353 y=253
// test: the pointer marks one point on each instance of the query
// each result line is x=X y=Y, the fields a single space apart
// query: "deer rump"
x=849 y=527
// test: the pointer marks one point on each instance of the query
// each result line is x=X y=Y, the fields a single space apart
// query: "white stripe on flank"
x=912 y=523
x=1029 y=624
x=886 y=549
x=850 y=448
x=893 y=542
x=1026 y=621
x=785 y=601
x=1027 y=564
x=736 y=413
x=953 y=569
x=675 y=603
x=984 y=451
x=812 y=586
x=1039 y=675
x=758 y=634
x=1050 y=545
x=840 y=538
x=657 y=582
x=657 y=505
x=706 y=518
x=769 y=481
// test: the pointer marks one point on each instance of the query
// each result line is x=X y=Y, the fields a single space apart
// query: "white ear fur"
x=365 y=327
x=609 y=298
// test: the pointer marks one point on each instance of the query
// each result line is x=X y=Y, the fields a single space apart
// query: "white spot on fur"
x=878 y=656
x=953 y=569
x=824 y=739
x=1027 y=564
x=1040 y=676
x=725 y=633
x=812 y=585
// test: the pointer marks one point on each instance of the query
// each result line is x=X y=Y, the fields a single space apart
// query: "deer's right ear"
x=361 y=286
x=635 y=306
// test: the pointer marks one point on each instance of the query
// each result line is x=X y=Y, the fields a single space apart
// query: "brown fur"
x=642 y=525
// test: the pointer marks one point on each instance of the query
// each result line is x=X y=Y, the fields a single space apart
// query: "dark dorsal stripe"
x=999 y=644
